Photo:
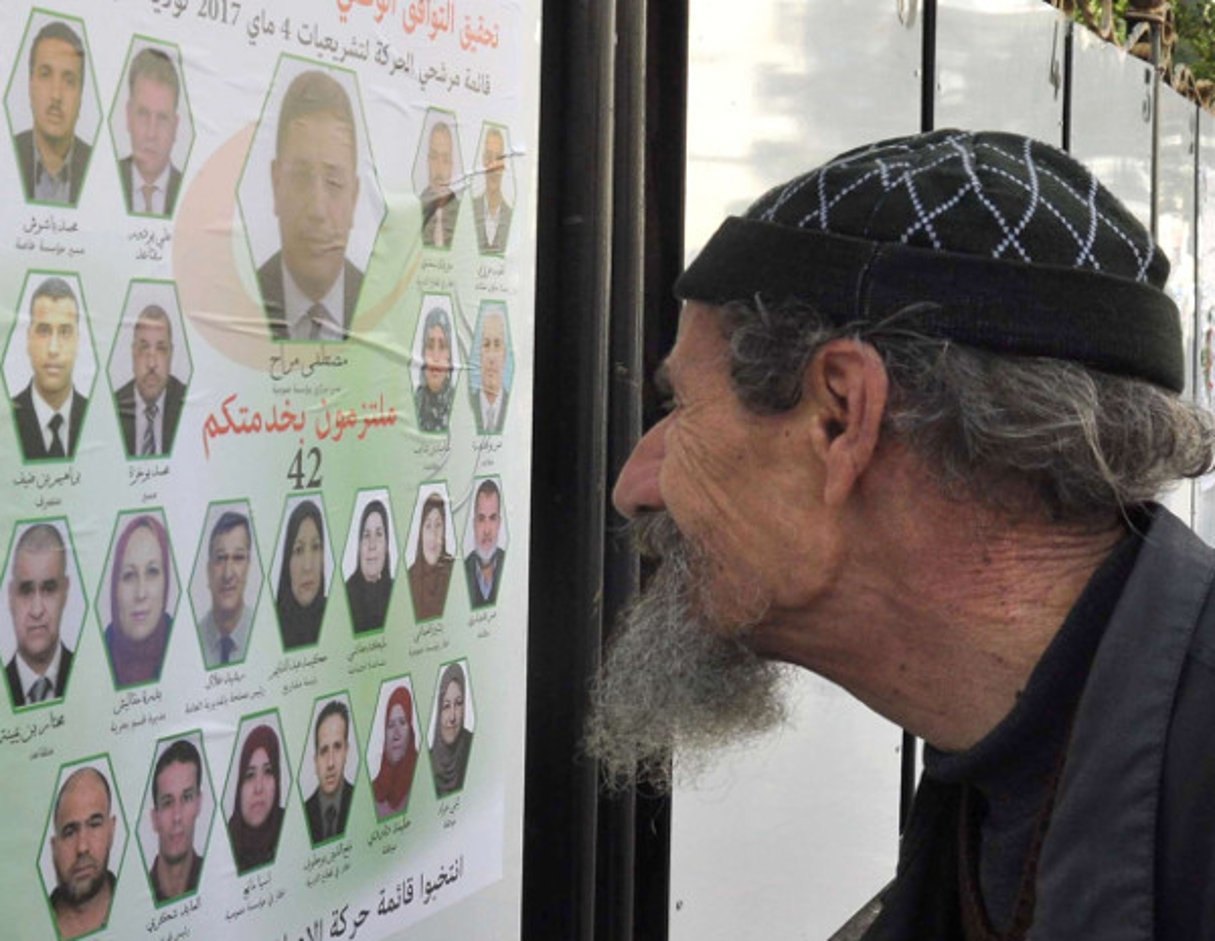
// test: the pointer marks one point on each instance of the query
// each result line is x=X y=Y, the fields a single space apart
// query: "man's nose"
x=637 y=488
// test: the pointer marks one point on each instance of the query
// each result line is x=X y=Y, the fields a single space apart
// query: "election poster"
x=267 y=309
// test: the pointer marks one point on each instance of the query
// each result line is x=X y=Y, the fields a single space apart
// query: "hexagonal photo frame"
x=439 y=178
x=452 y=723
x=137 y=597
x=80 y=859
x=494 y=194
x=174 y=823
x=370 y=560
x=40 y=636
x=53 y=109
x=49 y=358
x=255 y=791
x=329 y=768
x=485 y=542
x=435 y=362
x=491 y=368
x=151 y=127
x=430 y=550
x=226 y=583
x=150 y=368
x=394 y=742
x=302 y=573
x=310 y=219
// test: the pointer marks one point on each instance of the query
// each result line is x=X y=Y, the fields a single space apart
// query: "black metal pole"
x=569 y=471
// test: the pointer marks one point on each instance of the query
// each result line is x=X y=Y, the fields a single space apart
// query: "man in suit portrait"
x=176 y=802
x=83 y=835
x=329 y=805
x=483 y=566
x=225 y=628
x=309 y=288
x=53 y=159
x=491 y=212
x=37 y=594
x=440 y=205
x=49 y=411
x=490 y=411
x=150 y=182
x=149 y=406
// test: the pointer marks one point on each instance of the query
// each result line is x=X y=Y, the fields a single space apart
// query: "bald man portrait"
x=81 y=839
x=309 y=287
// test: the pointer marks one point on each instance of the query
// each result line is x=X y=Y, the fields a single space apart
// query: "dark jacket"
x=124 y=400
x=32 y=444
x=25 y=157
x=1129 y=853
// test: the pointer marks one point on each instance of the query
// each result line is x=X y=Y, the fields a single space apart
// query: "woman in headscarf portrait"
x=257 y=817
x=430 y=572
x=301 y=577
x=450 y=740
x=399 y=758
x=434 y=395
x=369 y=586
x=137 y=636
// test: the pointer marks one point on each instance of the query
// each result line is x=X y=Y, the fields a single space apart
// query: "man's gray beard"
x=672 y=676
x=78 y=895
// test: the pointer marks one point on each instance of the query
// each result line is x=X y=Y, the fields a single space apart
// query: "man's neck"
x=57 y=400
x=174 y=878
x=75 y=920
x=52 y=153
x=940 y=610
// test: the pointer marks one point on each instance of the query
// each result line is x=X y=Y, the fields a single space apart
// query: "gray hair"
x=1014 y=433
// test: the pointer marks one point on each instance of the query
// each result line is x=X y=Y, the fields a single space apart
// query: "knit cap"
x=990 y=239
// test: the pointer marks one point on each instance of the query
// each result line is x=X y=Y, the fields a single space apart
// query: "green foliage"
x=1196 y=37
x=1194 y=21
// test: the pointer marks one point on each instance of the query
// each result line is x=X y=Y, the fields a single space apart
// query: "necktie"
x=147 y=189
x=226 y=646
x=56 y=448
x=330 y=821
x=149 y=430
x=40 y=689
x=319 y=316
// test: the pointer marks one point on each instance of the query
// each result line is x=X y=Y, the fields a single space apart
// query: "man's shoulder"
x=126 y=391
x=24 y=398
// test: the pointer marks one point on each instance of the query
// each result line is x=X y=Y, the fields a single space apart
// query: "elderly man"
x=83 y=834
x=150 y=182
x=491 y=212
x=492 y=394
x=37 y=594
x=149 y=406
x=52 y=158
x=440 y=204
x=923 y=398
x=224 y=629
x=483 y=566
x=49 y=411
x=328 y=807
x=310 y=288
x=176 y=802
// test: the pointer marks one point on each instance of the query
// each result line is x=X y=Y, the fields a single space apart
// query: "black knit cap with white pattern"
x=989 y=239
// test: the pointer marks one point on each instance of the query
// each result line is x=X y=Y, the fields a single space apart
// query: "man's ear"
x=847 y=382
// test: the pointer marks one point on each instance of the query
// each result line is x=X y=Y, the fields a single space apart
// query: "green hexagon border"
x=352 y=732
x=280 y=533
